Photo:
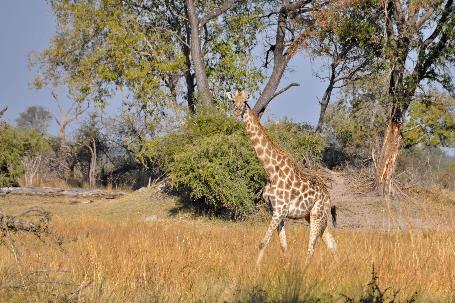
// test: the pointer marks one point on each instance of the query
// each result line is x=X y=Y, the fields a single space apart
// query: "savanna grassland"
x=139 y=249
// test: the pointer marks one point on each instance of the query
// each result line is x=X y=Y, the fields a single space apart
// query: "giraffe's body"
x=291 y=192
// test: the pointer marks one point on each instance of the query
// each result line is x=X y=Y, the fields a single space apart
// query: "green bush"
x=299 y=140
x=211 y=161
x=15 y=144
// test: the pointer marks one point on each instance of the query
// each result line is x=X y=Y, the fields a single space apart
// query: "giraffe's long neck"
x=266 y=151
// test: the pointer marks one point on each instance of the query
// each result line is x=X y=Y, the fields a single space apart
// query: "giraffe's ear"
x=229 y=95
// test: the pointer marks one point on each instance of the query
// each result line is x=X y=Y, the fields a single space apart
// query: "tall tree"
x=419 y=39
x=36 y=118
x=345 y=35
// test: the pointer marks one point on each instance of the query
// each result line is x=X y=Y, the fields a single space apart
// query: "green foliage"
x=15 y=144
x=36 y=118
x=231 y=43
x=349 y=32
x=431 y=121
x=299 y=140
x=102 y=46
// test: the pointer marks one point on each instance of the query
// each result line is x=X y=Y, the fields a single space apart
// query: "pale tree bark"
x=31 y=165
x=93 y=159
x=387 y=161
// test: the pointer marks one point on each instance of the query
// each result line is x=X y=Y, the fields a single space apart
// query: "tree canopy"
x=36 y=118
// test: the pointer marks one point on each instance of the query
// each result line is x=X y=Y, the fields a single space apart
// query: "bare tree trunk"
x=280 y=61
x=92 y=169
x=189 y=77
x=282 y=53
x=32 y=165
x=389 y=153
x=197 y=55
x=326 y=98
x=62 y=130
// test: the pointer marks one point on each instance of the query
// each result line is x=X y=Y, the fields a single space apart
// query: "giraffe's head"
x=239 y=99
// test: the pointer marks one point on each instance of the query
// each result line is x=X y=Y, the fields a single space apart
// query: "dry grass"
x=115 y=259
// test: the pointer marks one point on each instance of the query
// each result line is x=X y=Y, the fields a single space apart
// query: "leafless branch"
x=284 y=89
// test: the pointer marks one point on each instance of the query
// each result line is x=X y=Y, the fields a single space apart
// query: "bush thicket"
x=15 y=144
x=211 y=161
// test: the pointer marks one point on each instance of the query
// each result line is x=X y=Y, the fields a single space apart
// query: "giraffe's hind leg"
x=329 y=241
x=282 y=235
x=318 y=224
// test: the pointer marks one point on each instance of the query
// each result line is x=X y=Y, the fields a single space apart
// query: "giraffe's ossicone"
x=291 y=192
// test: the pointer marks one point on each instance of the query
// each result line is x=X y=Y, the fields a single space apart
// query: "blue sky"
x=28 y=25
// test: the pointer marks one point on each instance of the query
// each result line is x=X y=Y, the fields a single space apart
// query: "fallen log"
x=54 y=192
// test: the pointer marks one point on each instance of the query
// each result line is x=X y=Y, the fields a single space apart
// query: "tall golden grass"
x=188 y=261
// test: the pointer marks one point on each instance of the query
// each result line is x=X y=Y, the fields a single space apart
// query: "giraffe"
x=291 y=192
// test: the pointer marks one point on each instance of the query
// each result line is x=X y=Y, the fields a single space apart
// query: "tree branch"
x=283 y=90
x=216 y=12
x=424 y=59
x=3 y=111
x=448 y=9
x=296 y=5
x=424 y=18
x=196 y=54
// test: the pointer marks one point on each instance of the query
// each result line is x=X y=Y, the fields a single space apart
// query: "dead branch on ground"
x=33 y=221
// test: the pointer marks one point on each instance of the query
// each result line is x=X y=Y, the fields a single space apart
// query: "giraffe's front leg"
x=276 y=220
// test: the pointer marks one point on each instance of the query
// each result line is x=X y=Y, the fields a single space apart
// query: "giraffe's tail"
x=333 y=211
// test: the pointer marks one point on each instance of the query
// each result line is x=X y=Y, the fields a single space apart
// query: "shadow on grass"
x=195 y=209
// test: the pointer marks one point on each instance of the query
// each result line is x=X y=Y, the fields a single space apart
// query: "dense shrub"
x=299 y=140
x=211 y=161
x=15 y=145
